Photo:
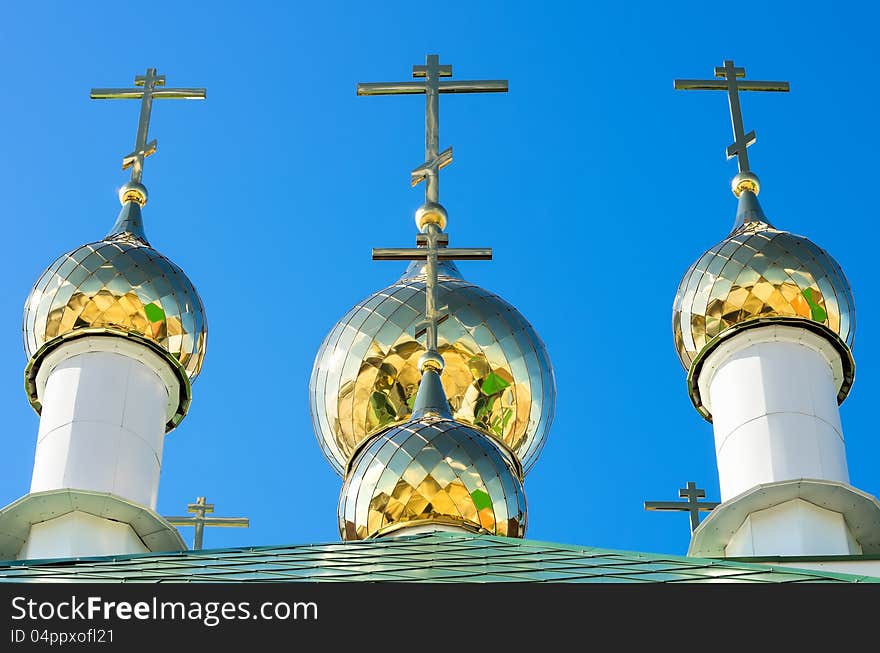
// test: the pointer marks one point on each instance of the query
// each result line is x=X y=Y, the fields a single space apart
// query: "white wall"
x=857 y=567
x=772 y=392
x=793 y=528
x=103 y=420
x=79 y=534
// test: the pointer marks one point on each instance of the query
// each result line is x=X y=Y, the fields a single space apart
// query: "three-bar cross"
x=432 y=71
x=731 y=75
x=149 y=89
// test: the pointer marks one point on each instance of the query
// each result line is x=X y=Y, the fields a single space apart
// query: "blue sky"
x=595 y=183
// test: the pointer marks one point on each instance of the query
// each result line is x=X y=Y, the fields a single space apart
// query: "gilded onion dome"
x=119 y=284
x=759 y=271
x=498 y=377
x=432 y=470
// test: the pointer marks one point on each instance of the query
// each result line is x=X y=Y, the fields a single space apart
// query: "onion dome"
x=498 y=377
x=119 y=285
x=432 y=471
x=757 y=272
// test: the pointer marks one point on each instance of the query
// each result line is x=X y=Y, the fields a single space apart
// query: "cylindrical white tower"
x=106 y=400
x=764 y=322
x=772 y=393
x=105 y=403
x=115 y=333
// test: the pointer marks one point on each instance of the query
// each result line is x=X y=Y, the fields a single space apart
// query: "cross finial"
x=431 y=217
x=147 y=88
x=731 y=83
x=200 y=508
x=432 y=87
x=692 y=493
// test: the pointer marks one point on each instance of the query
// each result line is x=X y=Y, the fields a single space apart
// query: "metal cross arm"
x=414 y=88
x=138 y=93
x=228 y=522
x=732 y=82
x=719 y=85
x=423 y=325
x=421 y=254
x=425 y=170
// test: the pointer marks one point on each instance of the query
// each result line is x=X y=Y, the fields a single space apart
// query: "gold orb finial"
x=133 y=192
x=431 y=360
x=745 y=181
x=430 y=213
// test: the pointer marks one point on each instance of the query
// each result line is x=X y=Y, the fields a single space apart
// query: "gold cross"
x=692 y=493
x=200 y=508
x=147 y=92
x=431 y=217
x=432 y=71
x=730 y=75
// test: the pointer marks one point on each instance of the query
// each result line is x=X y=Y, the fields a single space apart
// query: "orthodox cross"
x=431 y=217
x=149 y=89
x=731 y=75
x=692 y=493
x=432 y=71
x=200 y=508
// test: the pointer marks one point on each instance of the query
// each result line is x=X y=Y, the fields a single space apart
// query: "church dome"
x=759 y=271
x=121 y=284
x=433 y=471
x=498 y=376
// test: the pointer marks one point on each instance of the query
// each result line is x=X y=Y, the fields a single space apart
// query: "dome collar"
x=430 y=398
x=749 y=210
x=130 y=221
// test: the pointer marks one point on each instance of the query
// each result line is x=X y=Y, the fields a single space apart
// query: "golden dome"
x=119 y=283
x=759 y=271
x=431 y=470
x=497 y=375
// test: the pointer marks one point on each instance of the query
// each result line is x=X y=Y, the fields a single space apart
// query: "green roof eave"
x=428 y=557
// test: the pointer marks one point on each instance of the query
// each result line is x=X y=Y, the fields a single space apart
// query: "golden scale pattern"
x=497 y=377
x=759 y=271
x=118 y=283
x=432 y=469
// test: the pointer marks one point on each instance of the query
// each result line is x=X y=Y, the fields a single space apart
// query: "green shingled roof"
x=430 y=557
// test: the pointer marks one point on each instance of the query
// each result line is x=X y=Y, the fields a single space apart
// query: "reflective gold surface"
x=119 y=283
x=759 y=271
x=431 y=470
x=497 y=377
